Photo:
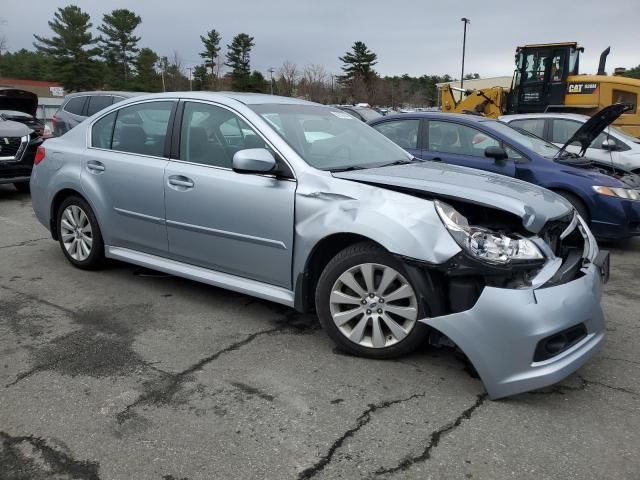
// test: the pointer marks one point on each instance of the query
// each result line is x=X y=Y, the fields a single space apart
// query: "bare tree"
x=314 y=83
x=3 y=37
x=288 y=80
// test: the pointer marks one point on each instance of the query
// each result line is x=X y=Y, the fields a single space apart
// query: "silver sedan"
x=303 y=205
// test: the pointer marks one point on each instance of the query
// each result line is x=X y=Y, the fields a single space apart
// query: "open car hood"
x=19 y=100
x=535 y=205
x=593 y=127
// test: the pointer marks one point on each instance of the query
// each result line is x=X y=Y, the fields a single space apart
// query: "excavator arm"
x=488 y=102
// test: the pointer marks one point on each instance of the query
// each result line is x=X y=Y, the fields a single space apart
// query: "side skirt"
x=204 y=275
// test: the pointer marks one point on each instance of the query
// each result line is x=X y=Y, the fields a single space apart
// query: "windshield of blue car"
x=330 y=139
x=526 y=139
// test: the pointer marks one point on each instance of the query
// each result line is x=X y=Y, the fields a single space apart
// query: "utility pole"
x=464 y=46
x=190 y=79
x=271 y=70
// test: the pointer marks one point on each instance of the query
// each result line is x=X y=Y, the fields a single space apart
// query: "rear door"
x=123 y=175
x=463 y=145
x=236 y=223
x=97 y=103
x=404 y=132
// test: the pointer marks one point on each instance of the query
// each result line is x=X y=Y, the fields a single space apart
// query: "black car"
x=20 y=136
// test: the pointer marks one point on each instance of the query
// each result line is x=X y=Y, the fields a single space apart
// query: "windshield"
x=526 y=139
x=330 y=139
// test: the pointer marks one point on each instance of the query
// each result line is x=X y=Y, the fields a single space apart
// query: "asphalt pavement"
x=130 y=374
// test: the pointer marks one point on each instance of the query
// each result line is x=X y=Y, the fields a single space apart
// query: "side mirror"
x=497 y=153
x=609 y=144
x=253 y=160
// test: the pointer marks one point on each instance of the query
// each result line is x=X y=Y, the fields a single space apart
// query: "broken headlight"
x=484 y=244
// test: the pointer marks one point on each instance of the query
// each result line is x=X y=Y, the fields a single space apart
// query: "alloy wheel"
x=76 y=233
x=373 y=305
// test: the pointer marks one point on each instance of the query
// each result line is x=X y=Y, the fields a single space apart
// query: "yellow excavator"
x=547 y=79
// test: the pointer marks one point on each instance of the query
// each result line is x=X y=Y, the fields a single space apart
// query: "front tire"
x=367 y=304
x=79 y=234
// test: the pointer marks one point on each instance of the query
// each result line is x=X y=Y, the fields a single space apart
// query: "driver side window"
x=211 y=135
x=448 y=137
x=402 y=132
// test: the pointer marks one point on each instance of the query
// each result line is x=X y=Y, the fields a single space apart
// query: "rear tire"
x=368 y=305
x=577 y=203
x=23 y=187
x=79 y=234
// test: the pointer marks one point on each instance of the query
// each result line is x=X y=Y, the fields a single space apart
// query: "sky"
x=409 y=36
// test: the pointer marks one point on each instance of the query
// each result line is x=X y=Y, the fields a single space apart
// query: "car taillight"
x=39 y=156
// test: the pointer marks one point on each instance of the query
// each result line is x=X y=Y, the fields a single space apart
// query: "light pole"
x=190 y=79
x=271 y=70
x=464 y=46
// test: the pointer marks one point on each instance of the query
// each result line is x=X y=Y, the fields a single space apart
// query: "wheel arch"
x=585 y=201
x=57 y=200
x=321 y=254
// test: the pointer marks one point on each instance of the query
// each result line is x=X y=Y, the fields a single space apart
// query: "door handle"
x=180 y=181
x=95 y=167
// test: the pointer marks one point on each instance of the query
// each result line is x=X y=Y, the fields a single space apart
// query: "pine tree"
x=238 y=59
x=119 y=44
x=211 y=43
x=358 y=63
x=147 y=78
x=72 y=49
x=199 y=77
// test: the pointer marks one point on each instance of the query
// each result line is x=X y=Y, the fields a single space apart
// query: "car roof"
x=242 y=97
x=520 y=116
x=104 y=92
x=463 y=117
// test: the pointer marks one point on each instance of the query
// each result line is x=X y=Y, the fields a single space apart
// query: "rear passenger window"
x=102 y=131
x=75 y=105
x=531 y=125
x=142 y=128
x=563 y=130
x=97 y=103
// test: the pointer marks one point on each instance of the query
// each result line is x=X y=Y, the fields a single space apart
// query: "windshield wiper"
x=400 y=162
x=348 y=169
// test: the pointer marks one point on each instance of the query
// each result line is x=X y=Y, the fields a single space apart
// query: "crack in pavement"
x=434 y=439
x=14 y=461
x=584 y=382
x=25 y=242
x=361 y=421
x=621 y=360
x=601 y=384
x=163 y=392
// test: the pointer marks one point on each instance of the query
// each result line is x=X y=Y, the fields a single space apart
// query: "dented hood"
x=535 y=205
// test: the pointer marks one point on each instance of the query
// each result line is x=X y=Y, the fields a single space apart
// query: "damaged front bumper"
x=510 y=335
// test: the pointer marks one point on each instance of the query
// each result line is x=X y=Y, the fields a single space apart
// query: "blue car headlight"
x=625 y=193
x=484 y=244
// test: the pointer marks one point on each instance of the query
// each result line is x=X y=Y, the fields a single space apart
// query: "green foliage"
x=72 y=49
x=146 y=78
x=633 y=72
x=27 y=64
x=238 y=59
x=200 y=77
x=211 y=43
x=256 y=83
x=358 y=63
x=119 y=44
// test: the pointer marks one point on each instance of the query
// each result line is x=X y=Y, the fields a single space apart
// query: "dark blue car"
x=607 y=197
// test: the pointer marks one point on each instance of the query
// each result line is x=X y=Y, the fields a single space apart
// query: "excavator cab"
x=540 y=78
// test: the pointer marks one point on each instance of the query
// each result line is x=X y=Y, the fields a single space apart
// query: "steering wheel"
x=335 y=150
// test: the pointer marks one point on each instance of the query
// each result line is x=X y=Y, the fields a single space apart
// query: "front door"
x=123 y=175
x=463 y=145
x=231 y=222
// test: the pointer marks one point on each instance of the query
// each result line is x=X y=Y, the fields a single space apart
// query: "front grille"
x=10 y=147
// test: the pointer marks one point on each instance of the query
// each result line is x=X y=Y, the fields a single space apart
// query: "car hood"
x=535 y=205
x=593 y=127
x=19 y=100
x=9 y=128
